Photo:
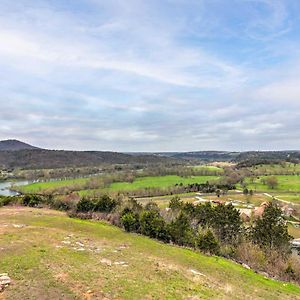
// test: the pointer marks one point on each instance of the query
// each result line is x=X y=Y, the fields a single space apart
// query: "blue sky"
x=168 y=75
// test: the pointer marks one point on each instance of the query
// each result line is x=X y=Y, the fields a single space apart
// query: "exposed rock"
x=4 y=281
x=197 y=273
x=246 y=266
x=19 y=225
x=106 y=261
x=121 y=263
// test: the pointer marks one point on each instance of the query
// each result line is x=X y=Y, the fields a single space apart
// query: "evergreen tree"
x=208 y=243
x=181 y=231
x=227 y=224
x=270 y=231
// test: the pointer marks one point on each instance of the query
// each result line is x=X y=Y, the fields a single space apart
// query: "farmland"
x=50 y=256
x=286 y=183
x=139 y=183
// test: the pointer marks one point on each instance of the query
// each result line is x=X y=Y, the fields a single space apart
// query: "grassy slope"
x=42 y=267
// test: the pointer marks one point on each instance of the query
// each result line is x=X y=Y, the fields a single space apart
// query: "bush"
x=32 y=200
x=62 y=204
x=130 y=221
x=5 y=201
x=85 y=205
x=181 y=232
x=208 y=243
x=175 y=203
x=153 y=225
x=105 y=204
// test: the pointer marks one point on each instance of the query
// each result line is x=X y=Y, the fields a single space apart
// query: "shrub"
x=175 y=203
x=153 y=225
x=208 y=243
x=32 y=200
x=105 y=204
x=5 y=201
x=181 y=232
x=130 y=221
x=85 y=205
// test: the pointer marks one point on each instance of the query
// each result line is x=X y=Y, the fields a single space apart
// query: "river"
x=6 y=185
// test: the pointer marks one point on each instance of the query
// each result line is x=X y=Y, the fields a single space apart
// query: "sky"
x=151 y=75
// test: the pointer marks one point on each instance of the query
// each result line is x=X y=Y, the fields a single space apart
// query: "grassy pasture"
x=286 y=183
x=209 y=168
x=138 y=183
x=279 y=169
x=163 y=201
x=37 y=187
x=159 y=182
x=55 y=257
x=295 y=198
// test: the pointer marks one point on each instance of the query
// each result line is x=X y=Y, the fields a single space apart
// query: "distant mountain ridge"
x=15 y=145
x=16 y=154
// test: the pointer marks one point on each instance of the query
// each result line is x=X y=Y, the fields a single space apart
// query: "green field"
x=50 y=256
x=38 y=187
x=286 y=183
x=295 y=198
x=276 y=169
x=209 y=168
x=159 y=182
x=139 y=183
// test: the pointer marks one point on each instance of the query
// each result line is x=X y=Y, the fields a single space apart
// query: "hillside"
x=203 y=155
x=50 y=256
x=43 y=159
x=14 y=145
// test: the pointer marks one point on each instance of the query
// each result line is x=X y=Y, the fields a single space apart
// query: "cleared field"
x=163 y=201
x=286 y=183
x=42 y=186
x=139 y=183
x=161 y=182
x=209 y=168
x=295 y=198
x=279 y=169
x=256 y=199
x=50 y=256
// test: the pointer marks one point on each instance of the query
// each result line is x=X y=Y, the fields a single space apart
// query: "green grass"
x=209 y=168
x=42 y=186
x=161 y=182
x=286 y=183
x=43 y=267
x=295 y=198
x=284 y=168
x=139 y=183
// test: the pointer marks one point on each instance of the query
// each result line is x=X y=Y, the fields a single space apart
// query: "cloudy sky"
x=151 y=75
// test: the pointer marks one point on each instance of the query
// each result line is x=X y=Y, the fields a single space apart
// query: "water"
x=6 y=185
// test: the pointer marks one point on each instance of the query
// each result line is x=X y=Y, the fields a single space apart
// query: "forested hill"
x=14 y=145
x=43 y=159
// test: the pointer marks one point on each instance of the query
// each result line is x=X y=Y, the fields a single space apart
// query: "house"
x=259 y=211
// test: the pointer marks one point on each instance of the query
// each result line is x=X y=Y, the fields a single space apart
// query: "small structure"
x=245 y=214
x=259 y=211
x=287 y=211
